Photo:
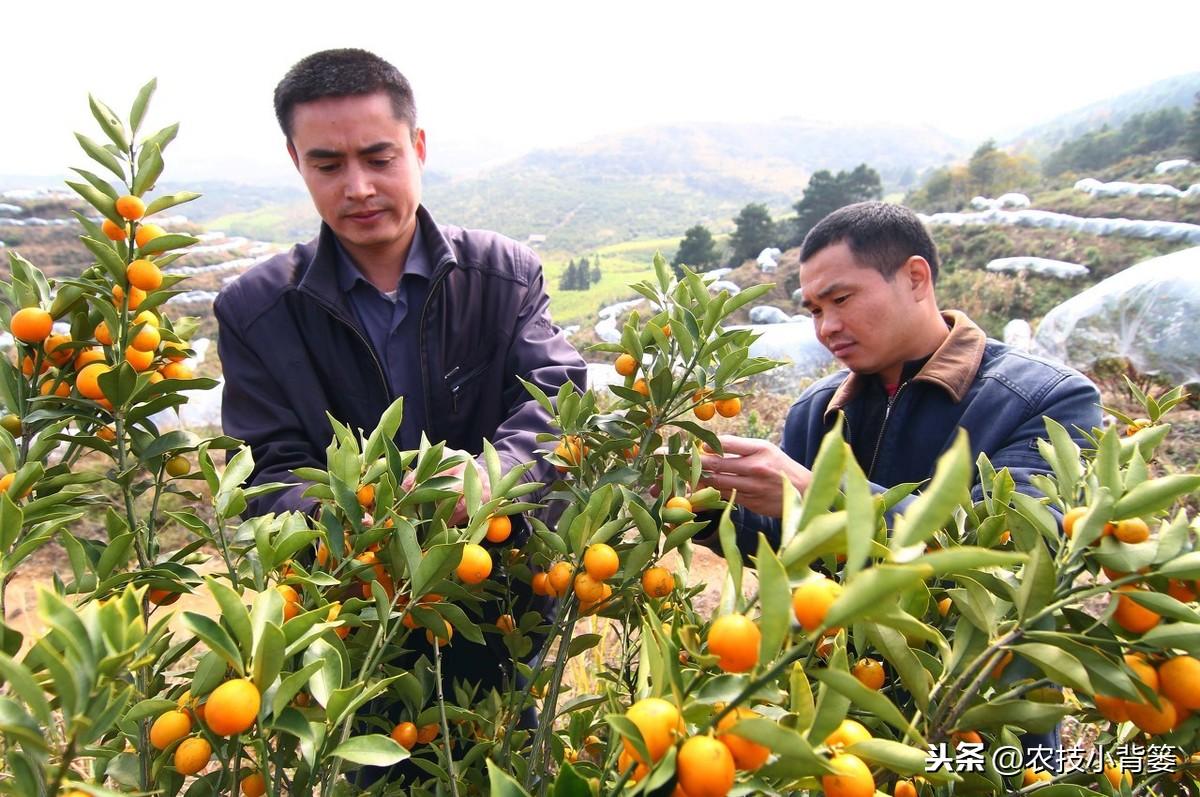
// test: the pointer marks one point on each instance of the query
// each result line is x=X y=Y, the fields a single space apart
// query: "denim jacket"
x=998 y=394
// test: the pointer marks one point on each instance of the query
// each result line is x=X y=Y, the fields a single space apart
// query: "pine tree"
x=697 y=250
x=754 y=232
x=826 y=192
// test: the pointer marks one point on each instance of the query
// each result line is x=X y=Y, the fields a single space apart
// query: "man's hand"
x=753 y=467
x=460 y=511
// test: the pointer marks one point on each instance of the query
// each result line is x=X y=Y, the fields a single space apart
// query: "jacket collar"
x=952 y=366
x=320 y=279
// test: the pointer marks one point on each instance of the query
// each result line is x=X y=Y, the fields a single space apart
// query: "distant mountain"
x=660 y=180
x=1179 y=91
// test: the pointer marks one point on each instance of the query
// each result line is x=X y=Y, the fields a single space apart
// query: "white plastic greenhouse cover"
x=1149 y=313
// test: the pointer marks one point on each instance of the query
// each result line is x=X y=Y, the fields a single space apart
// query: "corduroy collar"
x=952 y=366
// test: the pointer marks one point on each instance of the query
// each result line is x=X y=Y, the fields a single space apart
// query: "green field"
x=620 y=265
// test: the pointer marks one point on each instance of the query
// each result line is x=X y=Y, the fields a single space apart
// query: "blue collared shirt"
x=392 y=323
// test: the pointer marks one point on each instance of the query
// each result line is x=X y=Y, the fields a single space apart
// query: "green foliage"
x=1141 y=134
x=1192 y=135
x=580 y=276
x=697 y=249
x=989 y=172
x=754 y=231
x=827 y=192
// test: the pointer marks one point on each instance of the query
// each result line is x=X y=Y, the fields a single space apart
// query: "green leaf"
x=1162 y=604
x=775 y=598
x=140 y=103
x=795 y=752
x=860 y=518
x=1033 y=717
x=1155 y=495
x=329 y=677
x=21 y=682
x=733 y=557
x=372 y=750
x=100 y=185
x=933 y=508
x=802 y=704
x=167 y=443
x=570 y=783
x=237 y=471
x=169 y=201
x=165 y=243
x=1063 y=456
x=826 y=480
x=268 y=657
x=1058 y=665
x=99 y=200
x=897 y=757
x=967 y=557
x=11 y=520
x=291 y=686
x=1185 y=566
x=101 y=156
x=874 y=590
x=216 y=637
x=115 y=555
x=109 y=123
x=437 y=563
x=1037 y=582
x=628 y=731
x=233 y=612
x=501 y=784
x=894 y=647
x=150 y=166
x=875 y=702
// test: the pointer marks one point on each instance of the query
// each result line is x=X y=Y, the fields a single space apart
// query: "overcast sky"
x=495 y=79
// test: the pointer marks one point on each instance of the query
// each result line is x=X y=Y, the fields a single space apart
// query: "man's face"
x=865 y=320
x=362 y=167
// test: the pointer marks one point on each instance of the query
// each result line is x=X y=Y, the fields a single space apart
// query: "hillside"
x=1174 y=92
x=647 y=183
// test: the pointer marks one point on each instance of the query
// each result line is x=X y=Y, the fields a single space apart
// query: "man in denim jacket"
x=915 y=376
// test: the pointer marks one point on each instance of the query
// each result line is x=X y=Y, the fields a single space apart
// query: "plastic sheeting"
x=795 y=343
x=1041 y=266
x=1094 y=188
x=768 y=259
x=1149 y=314
x=725 y=285
x=768 y=314
x=1045 y=219
x=1166 y=167
x=1010 y=200
x=1018 y=334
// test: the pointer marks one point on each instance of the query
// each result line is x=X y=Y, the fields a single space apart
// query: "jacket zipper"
x=424 y=354
x=887 y=413
x=387 y=389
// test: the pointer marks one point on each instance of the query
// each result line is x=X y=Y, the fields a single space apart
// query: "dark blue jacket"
x=293 y=349
x=998 y=394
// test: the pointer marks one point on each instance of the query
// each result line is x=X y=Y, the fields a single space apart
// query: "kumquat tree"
x=881 y=645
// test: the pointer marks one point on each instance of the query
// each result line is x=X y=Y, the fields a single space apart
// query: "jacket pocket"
x=458 y=378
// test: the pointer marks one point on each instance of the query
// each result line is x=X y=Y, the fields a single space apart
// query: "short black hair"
x=343 y=73
x=881 y=235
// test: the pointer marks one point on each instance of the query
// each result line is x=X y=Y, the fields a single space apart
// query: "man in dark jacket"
x=915 y=376
x=384 y=303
